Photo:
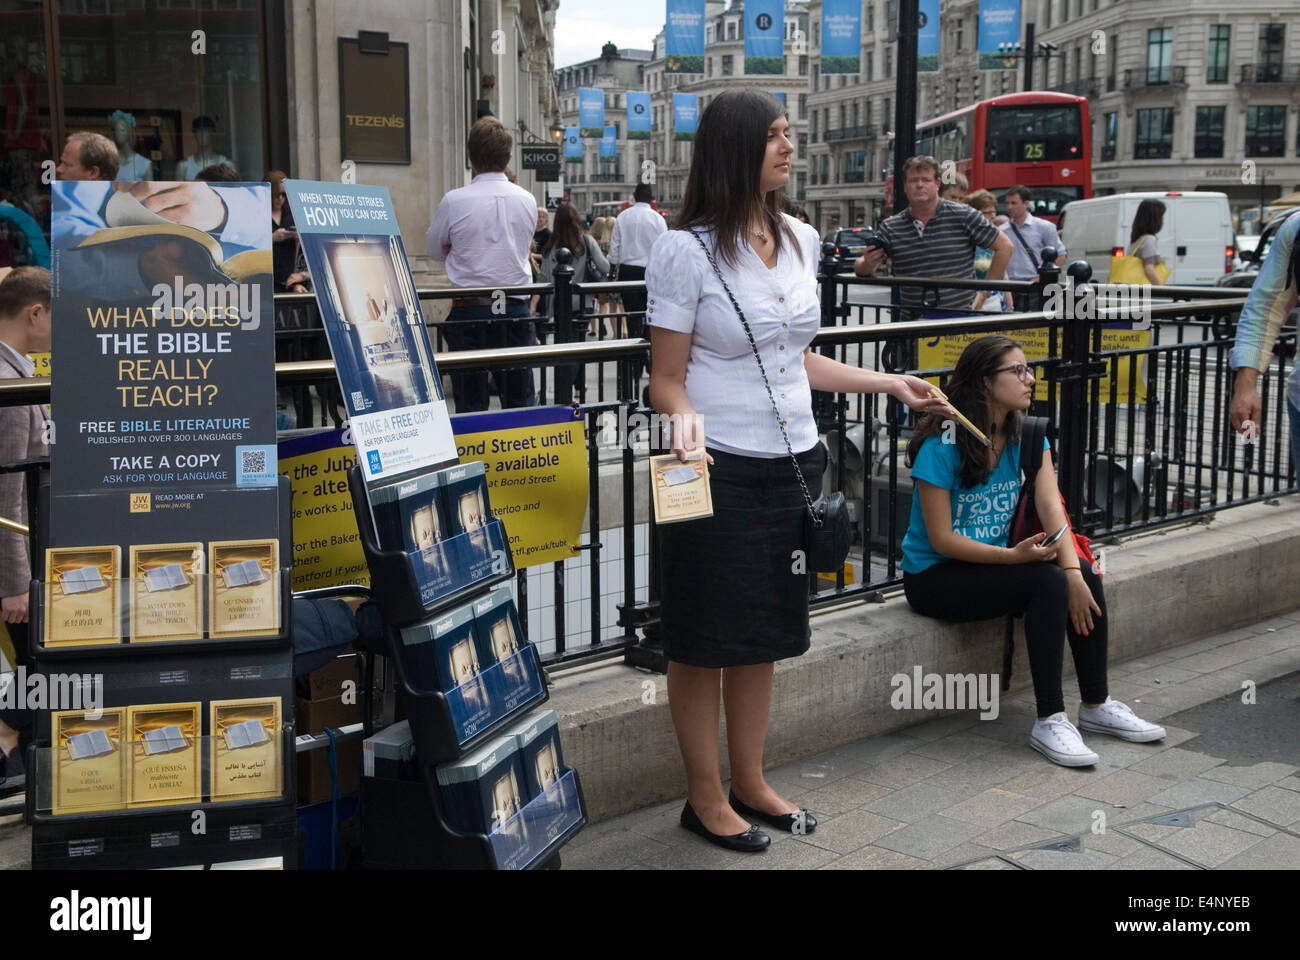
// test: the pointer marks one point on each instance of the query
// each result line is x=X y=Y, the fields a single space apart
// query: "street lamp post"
x=905 y=95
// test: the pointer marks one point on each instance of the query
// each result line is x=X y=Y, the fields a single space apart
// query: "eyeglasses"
x=1023 y=373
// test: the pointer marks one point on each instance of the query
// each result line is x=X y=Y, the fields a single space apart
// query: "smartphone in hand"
x=1055 y=537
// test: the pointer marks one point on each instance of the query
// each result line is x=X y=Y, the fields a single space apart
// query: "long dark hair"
x=969 y=393
x=567 y=231
x=722 y=187
x=1150 y=217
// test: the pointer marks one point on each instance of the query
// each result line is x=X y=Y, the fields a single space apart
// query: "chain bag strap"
x=828 y=532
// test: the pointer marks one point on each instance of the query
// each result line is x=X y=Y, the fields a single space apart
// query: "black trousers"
x=20 y=720
x=634 y=304
x=478 y=328
x=960 y=592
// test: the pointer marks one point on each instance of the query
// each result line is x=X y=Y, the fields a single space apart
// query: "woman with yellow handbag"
x=1144 y=264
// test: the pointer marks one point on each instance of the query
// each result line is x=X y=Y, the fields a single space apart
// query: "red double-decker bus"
x=1040 y=140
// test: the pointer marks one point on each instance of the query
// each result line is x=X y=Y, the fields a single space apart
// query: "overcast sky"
x=583 y=26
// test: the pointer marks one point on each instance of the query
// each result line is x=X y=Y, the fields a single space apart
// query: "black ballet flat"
x=786 y=822
x=752 y=840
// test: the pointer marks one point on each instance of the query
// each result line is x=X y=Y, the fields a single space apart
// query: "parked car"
x=1251 y=260
x=1197 y=239
x=850 y=243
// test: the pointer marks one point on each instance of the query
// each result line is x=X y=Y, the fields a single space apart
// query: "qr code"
x=358 y=400
x=252 y=461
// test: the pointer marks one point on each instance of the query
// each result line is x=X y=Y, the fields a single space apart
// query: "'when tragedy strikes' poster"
x=165 y=393
x=374 y=325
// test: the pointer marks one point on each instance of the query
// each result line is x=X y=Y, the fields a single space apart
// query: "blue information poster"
x=841 y=36
x=999 y=24
x=609 y=143
x=638 y=115
x=927 y=37
x=591 y=112
x=686 y=115
x=374 y=326
x=684 y=37
x=765 y=36
x=572 y=145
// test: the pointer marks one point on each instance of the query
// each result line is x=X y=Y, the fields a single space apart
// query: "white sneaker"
x=1118 y=720
x=1058 y=740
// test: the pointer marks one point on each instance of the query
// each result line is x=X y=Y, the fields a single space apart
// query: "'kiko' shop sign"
x=374 y=99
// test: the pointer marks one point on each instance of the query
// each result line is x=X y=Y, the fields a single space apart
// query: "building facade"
x=1183 y=95
x=603 y=180
x=263 y=84
x=663 y=158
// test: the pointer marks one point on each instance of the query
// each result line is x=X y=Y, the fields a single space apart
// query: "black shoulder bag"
x=1032 y=258
x=1032 y=432
x=827 y=531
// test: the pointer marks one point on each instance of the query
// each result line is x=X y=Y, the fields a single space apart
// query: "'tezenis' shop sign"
x=375 y=101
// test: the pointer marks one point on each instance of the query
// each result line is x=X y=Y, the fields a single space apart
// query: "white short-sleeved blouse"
x=722 y=378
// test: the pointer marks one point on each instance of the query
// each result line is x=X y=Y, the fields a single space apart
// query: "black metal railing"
x=1161 y=76
x=1142 y=426
x=859 y=132
x=1082 y=87
x=1270 y=72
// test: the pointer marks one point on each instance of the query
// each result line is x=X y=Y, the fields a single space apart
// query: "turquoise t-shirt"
x=982 y=513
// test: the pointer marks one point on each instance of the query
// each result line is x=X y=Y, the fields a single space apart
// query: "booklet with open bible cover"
x=681 y=490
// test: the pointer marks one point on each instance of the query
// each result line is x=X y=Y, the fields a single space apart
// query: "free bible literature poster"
x=375 y=328
x=165 y=393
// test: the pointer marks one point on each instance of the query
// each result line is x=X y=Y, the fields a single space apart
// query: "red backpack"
x=1025 y=522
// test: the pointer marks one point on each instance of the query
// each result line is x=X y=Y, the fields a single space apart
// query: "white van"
x=1197 y=239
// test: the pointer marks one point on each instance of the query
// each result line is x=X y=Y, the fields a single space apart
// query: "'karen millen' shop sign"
x=375 y=99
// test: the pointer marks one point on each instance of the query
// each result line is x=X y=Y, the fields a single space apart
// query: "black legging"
x=960 y=592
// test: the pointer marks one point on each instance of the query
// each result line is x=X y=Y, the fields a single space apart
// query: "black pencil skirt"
x=733 y=590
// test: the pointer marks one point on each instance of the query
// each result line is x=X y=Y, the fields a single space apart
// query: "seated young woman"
x=957 y=566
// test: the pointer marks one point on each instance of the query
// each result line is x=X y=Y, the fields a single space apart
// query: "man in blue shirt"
x=1029 y=235
x=1272 y=298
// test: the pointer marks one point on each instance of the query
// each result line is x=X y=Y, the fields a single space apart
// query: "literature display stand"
x=160 y=600
x=435 y=551
x=408 y=822
x=207 y=723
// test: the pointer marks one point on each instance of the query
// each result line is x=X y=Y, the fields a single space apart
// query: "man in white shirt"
x=483 y=232
x=1029 y=235
x=635 y=231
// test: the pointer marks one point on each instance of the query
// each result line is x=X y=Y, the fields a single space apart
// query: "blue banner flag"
x=686 y=115
x=591 y=112
x=765 y=36
x=780 y=95
x=638 y=115
x=927 y=37
x=999 y=23
x=572 y=145
x=609 y=143
x=842 y=36
x=684 y=37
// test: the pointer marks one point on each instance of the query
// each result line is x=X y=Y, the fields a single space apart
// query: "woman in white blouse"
x=735 y=592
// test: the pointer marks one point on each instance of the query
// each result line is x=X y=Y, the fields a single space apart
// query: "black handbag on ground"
x=828 y=534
